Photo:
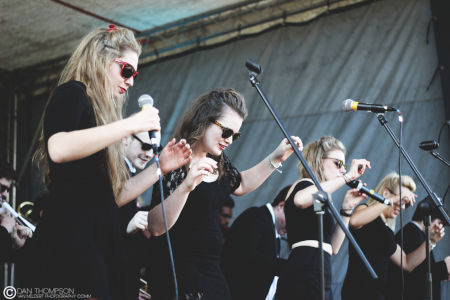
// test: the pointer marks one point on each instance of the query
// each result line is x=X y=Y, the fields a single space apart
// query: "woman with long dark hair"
x=211 y=125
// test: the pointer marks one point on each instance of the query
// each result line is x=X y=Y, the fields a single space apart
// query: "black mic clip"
x=253 y=70
x=429 y=145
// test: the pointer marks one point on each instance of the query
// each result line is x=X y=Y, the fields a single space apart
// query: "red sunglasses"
x=127 y=69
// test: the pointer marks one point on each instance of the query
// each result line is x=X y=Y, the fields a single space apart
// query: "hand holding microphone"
x=147 y=120
x=356 y=184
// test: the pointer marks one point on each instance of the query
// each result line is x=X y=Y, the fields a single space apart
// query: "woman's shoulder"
x=71 y=86
x=299 y=185
x=71 y=92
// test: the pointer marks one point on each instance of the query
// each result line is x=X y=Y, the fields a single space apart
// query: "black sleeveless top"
x=301 y=224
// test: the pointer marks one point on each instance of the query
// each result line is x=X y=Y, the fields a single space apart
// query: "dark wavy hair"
x=204 y=110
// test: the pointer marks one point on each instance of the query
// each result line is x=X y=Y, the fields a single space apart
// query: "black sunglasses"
x=127 y=69
x=227 y=132
x=339 y=163
x=144 y=146
x=4 y=188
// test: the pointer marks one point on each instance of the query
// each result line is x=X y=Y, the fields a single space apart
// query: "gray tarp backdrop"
x=376 y=53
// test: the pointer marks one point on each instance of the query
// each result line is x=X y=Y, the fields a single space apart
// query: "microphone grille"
x=347 y=105
x=145 y=100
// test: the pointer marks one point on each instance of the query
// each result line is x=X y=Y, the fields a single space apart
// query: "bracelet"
x=346 y=179
x=343 y=213
x=276 y=166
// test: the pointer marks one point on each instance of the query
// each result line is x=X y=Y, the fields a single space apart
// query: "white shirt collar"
x=130 y=165
x=417 y=224
x=270 y=208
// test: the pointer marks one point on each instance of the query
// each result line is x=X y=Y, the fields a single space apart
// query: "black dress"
x=196 y=239
x=415 y=281
x=300 y=279
x=76 y=245
x=377 y=242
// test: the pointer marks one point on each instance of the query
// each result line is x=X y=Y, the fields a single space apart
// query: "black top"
x=77 y=240
x=378 y=244
x=196 y=238
x=301 y=224
x=300 y=278
x=415 y=282
x=250 y=253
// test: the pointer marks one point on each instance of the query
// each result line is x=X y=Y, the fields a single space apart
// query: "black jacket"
x=249 y=257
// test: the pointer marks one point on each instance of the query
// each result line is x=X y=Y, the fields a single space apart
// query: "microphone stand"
x=429 y=287
x=321 y=196
x=439 y=157
x=426 y=206
x=432 y=195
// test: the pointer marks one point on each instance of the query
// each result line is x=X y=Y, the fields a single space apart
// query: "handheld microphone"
x=428 y=145
x=351 y=105
x=356 y=184
x=145 y=101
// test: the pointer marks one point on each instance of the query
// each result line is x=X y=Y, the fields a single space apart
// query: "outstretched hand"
x=284 y=149
x=174 y=155
x=437 y=232
x=357 y=168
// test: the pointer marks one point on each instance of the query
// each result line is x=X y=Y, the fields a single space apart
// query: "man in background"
x=251 y=255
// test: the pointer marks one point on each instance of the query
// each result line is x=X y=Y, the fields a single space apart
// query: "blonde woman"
x=76 y=244
x=300 y=278
x=373 y=224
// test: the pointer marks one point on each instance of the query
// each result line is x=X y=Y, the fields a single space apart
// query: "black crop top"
x=301 y=224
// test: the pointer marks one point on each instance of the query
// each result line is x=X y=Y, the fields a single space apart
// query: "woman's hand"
x=284 y=150
x=138 y=222
x=204 y=167
x=145 y=120
x=357 y=168
x=352 y=198
x=437 y=232
x=173 y=156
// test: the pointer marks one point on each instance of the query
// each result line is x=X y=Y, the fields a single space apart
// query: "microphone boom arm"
x=329 y=205
x=432 y=195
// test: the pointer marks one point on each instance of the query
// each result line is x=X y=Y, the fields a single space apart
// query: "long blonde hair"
x=390 y=182
x=314 y=154
x=90 y=64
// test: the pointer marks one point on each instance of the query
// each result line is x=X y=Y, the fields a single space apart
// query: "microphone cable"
x=166 y=227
